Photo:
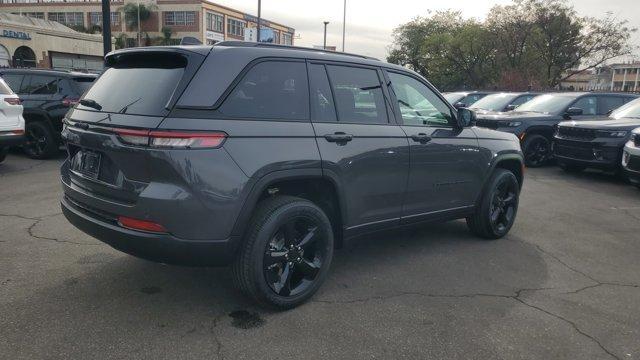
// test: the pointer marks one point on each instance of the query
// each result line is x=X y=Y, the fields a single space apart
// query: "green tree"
x=133 y=11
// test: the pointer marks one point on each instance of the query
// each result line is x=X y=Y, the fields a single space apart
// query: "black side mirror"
x=572 y=111
x=466 y=117
x=459 y=105
x=511 y=107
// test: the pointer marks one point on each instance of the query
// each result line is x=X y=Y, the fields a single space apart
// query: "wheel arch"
x=512 y=162
x=309 y=184
x=544 y=130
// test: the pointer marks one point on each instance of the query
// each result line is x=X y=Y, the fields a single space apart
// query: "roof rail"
x=291 y=47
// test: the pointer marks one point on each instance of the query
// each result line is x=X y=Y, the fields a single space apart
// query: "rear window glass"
x=358 y=93
x=140 y=85
x=82 y=84
x=14 y=81
x=4 y=88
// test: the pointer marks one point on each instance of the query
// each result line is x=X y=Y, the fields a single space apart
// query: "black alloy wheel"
x=537 y=150
x=498 y=207
x=504 y=205
x=39 y=141
x=286 y=252
x=293 y=257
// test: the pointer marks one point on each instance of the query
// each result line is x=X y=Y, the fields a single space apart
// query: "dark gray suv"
x=268 y=157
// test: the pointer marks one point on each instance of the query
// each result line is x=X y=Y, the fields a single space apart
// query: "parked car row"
x=578 y=130
x=43 y=98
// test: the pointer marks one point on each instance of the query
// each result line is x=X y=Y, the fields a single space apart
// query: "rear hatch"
x=107 y=134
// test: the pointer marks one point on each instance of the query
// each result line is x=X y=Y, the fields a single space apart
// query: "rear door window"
x=275 y=90
x=358 y=95
x=139 y=85
x=609 y=103
x=41 y=85
x=14 y=81
x=322 y=107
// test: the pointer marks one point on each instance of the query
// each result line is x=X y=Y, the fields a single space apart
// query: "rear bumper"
x=8 y=139
x=163 y=248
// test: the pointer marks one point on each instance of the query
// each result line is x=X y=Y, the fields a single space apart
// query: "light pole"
x=106 y=26
x=138 y=2
x=324 y=46
x=344 y=22
x=259 y=19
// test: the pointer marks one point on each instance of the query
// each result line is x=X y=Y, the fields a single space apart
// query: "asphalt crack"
x=213 y=330
x=37 y=220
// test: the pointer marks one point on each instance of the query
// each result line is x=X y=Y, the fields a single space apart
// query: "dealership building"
x=32 y=42
x=203 y=20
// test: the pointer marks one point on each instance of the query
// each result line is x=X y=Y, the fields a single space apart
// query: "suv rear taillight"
x=13 y=100
x=70 y=102
x=171 y=139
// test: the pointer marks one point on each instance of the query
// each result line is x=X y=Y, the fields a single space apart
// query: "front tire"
x=286 y=253
x=498 y=207
x=40 y=143
x=537 y=150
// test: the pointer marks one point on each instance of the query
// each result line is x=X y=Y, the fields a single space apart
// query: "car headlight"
x=612 y=134
x=512 y=123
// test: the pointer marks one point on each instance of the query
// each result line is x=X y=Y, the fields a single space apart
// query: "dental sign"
x=15 y=34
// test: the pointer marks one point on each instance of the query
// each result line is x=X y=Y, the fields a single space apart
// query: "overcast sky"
x=370 y=23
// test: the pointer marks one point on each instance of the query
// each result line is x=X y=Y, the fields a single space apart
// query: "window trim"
x=396 y=107
x=312 y=113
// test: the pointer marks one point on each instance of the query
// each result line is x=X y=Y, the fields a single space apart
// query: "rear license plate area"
x=87 y=163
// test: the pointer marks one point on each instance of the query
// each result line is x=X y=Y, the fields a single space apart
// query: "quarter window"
x=418 y=104
x=271 y=90
x=358 y=95
x=14 y=81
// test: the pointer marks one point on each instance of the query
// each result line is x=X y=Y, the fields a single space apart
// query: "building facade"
x=167 y=23
x=621 y=77
x=33 y=42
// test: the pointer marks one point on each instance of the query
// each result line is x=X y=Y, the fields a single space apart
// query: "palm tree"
x=133 y=12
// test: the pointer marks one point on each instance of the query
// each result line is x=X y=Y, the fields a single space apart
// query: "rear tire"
x=537 y=150
x=498 y=206
x=286 y=252
x=41 y=142
x=571 y=168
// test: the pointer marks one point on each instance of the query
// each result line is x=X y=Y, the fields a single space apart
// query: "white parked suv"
x=11 y=120
x=631 y=158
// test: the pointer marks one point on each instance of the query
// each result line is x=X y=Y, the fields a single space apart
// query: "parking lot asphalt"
x=564 y=284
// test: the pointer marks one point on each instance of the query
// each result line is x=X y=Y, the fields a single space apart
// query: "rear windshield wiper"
x=91 y=103
x=126 y=107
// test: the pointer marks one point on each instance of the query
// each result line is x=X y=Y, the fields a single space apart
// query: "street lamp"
x=344 y=22
x=106 y=26
x=259 y=19
x=324 y=46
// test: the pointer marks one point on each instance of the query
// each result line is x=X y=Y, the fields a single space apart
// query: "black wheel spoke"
x=275 y=257
x=283 y=286
x=510 y=199
x=308 y=268
x=290 y=233
x=308 y=238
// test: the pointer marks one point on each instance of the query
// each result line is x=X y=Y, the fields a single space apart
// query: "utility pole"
x=259 y=19
x=344 y=22
x=139 y=37
x=324 y=46
x=106 y=26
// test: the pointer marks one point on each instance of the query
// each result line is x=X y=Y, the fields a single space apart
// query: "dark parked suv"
x=46 y=96
x=534 y=122
x=267 y=157
x=596 y=144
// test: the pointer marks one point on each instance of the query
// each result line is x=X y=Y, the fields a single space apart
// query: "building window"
x=37 y=15
x=276 y=37
x=215 y=22
x=235 y=27
x=96 y=18
x=67 y=18
x=287 y=39
x=179 y=18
